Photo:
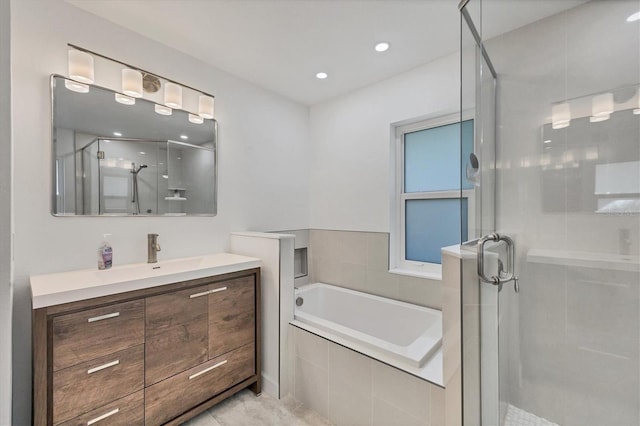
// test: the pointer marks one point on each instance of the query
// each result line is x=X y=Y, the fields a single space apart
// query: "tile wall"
x=360 y=261
x=351 y=389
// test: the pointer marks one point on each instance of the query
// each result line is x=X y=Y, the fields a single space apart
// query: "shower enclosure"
x=121 y=176
x=557 y=138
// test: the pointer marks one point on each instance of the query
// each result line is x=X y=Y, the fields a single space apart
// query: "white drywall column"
x=276 y=275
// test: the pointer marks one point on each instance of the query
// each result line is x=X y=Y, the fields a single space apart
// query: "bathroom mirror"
x=111 y=158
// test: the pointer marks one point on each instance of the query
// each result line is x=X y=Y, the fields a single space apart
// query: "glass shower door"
x=565 y=350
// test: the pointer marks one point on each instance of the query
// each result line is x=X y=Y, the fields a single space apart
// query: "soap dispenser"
x=105 y=254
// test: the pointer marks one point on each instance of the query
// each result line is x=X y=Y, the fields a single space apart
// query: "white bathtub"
x=401 y=331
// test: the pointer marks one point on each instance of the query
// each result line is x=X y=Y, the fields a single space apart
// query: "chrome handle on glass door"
x=504 y=275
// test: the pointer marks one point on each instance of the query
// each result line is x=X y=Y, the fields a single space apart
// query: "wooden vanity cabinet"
x=147 y=357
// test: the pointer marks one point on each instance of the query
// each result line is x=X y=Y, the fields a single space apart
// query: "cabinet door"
x=176 y=333
x=170 y=398
x=231 y=315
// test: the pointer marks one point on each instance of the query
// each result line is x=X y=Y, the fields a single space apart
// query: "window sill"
x=435 y=276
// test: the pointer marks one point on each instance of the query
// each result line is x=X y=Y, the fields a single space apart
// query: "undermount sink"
x=65 y=287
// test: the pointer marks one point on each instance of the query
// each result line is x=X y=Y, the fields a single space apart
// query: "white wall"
x=350 y=180
x=5 y=215
x=263 y=170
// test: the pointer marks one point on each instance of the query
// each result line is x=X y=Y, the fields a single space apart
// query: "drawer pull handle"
x=102 y=367
x=218 y=289
x=102 y=417
x=193 y=296
x=193 y=376
x=104 y=317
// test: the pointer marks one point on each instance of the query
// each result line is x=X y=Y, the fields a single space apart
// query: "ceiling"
x=281 y=44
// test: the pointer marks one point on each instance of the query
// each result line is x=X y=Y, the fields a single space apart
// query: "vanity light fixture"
x=135 y=83
x=601 y=107
x=76 y=87
x=173 y=95
x=132 y=82
x=205 y=106
x=81 y=66
x=196 y=119
x=634 y=17
x=322 y=75
x=163 y=110
x=382 y=47
x=560 y=116
x=125 y=100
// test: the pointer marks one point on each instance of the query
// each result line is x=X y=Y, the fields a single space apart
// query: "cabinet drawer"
x=173 y=396
x=127 y=411
x=83 y=387
x=231 y=315
x=90 y=334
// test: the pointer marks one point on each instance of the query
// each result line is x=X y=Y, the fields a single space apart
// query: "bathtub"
x=409 y=334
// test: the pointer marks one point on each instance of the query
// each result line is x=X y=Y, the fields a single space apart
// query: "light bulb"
x=163 y=110
x=125 y=100
x=205 y=106
x=560 y=116
x=196 y=119
x=132 y=83
x=173 y=95
x=81 y=66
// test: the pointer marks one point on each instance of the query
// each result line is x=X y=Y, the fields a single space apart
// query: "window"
x=428 y=208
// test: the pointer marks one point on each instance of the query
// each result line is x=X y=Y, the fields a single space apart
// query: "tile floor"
x=517 y=417
x=245 y=409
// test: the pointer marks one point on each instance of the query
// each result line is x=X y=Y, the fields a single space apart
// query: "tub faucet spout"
x=152 y=248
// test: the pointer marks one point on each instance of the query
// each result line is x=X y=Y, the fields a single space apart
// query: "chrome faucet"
x=152 y=248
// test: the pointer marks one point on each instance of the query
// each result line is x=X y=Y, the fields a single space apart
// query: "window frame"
x=398 y=263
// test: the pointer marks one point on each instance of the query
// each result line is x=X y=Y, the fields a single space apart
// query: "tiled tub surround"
x=360 y=261
x=400 y=334
x=352 y=389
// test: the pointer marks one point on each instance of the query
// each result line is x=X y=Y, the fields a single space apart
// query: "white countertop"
x=65 y=287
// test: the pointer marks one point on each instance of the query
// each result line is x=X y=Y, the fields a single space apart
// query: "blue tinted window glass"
x=432 y=158
x=467 y=149
x=432 y=224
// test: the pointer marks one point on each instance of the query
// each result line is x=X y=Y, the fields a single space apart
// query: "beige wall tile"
x=353 y=247
x=401 y=390
x=349 y=405
x=345 y=364
x=382 y=283
x=312 y=386
x=385 y=414
x=311 y=348
x=437 y=406
x=420 y=291
x=377 y=251
x=353 y=276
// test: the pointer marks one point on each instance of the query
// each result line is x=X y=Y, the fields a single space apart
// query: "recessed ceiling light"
x=117 y=134
x=634 y=17
x=381 y=47
x=322 y=75
x=185 y=137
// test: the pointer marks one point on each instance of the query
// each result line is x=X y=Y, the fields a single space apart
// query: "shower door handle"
x=504 y=275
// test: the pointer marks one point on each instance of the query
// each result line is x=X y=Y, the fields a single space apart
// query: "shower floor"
x=517 y=417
